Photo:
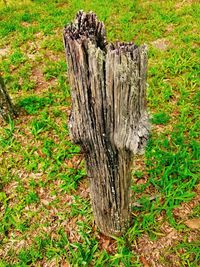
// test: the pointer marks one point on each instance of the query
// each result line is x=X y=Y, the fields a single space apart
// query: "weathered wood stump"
x=6 y=107
x=108 y=118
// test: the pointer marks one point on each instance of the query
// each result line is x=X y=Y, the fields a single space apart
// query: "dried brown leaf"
x=66 y=264
x=193 y=223
x=144 y=262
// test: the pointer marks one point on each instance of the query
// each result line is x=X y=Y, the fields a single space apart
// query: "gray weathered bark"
x=6 y=107
x=108 y=118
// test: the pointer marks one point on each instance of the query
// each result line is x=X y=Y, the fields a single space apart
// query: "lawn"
x=45 y=211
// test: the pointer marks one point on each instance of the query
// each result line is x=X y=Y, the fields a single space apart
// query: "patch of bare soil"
x=37 y=215
x=183 y=3
x=83 y=189
x=182 y=212
x=170 y=27
x=71 y=228
x=4 y=52
x=52 y=56
x=161 y=44
x=107 y=243
x=25 y=24
x=151 y=252
x=38 y=78
x=54 y=263
x=182 y=215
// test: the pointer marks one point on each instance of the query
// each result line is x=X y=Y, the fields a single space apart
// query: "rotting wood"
x=108 y=117
x=6 y=107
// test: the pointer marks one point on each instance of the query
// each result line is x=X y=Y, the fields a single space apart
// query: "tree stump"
x=6 y=107
x=108 y=117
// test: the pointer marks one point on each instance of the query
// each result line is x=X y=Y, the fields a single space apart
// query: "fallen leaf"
x=193 y=223
x=105 y=244
x=66 y=264
x=144 y=261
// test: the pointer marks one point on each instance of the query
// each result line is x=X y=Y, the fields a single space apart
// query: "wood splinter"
x=108 y=118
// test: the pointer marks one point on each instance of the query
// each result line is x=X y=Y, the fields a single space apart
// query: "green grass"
x=45 y=211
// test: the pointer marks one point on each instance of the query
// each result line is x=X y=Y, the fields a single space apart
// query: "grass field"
x=45 y=212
